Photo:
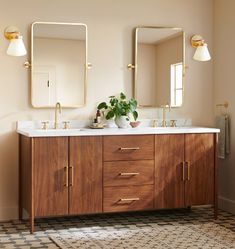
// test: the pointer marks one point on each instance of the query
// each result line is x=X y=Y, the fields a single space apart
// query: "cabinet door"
x=199 y=155
x=50 y=158
x=85 y=161
x=169 y=184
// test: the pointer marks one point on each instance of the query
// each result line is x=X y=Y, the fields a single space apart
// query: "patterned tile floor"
x=15 y=234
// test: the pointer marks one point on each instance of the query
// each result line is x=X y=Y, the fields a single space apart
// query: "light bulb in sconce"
x=202 y=52
x=16 y=46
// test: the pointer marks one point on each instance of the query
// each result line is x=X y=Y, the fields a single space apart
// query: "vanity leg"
x=31 y=221
x=215 y=176
x=19 y=179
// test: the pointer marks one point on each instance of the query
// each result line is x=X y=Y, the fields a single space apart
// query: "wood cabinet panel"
x=128 y=198
x=125 y=173
x=199 y=155
x=50 y=157
x=169 y=184
x=137 y=147
x=85 y=156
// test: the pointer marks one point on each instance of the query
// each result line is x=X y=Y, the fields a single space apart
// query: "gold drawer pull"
x=183 y=168
x=189 y=165
x=66 y=169
x=129 y=148
x=129 y=199
x=129 y=174
x=71 y=176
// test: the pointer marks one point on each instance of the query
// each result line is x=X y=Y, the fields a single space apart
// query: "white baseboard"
x=8 y=213
x=226 y=204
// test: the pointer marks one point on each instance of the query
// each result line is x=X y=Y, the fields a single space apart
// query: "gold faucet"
x=164 y=114
x=57 y=107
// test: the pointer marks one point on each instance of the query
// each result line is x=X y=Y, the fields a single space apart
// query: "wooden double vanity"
x=116 y=171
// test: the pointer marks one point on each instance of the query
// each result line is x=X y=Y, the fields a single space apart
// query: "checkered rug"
x=208 y=235
x=145 y=230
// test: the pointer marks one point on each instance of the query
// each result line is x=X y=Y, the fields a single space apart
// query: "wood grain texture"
x=25 y=172
x=85 y=155
x=112 y=145
x=144 y=168
x=50 y=158
x=199 y=152
x=112 y=196
x=169 y=184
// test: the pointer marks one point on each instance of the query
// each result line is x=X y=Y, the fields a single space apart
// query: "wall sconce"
x=202 y=52
x=16 y=46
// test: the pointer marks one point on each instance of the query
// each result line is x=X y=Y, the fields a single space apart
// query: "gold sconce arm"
x=131 y=66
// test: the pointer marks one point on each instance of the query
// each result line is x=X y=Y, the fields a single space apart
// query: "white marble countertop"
x=34 y=132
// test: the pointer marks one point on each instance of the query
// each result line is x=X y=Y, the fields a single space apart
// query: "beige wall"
x=224 y=78
x=110 y=46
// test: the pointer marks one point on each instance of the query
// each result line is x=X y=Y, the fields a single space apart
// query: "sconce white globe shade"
x=202 y=53
x=16 y=47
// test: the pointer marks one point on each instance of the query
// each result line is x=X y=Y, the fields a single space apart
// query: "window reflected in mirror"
x=159 y=65
x=59 y=59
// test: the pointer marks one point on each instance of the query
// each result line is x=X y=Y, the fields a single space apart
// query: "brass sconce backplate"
x=11 y=32
x=196 y=40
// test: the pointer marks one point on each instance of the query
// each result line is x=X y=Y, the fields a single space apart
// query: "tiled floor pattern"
x=179 y=224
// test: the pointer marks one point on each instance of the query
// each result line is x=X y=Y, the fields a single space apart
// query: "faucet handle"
x=173 y=122
x=155 y=123
x=66 y=124
x=45 y=125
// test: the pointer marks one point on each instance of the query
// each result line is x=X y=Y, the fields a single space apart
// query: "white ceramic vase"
x=122 y=122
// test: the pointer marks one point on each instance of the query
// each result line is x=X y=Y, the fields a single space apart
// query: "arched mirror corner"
x=159 y=66
x=58 y=64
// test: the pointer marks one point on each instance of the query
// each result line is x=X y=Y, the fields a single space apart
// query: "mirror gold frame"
x=86 y=65
x=135 y=66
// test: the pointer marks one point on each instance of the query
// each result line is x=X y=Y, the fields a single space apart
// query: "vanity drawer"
x=131 y=147
x=123 y=173
x=131 y=198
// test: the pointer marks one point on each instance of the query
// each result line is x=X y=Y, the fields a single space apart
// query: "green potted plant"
x=120 y=109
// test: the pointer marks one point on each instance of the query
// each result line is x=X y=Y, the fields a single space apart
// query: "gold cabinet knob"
x=66 y=125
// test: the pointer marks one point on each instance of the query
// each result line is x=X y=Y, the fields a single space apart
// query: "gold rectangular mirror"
x=159 y=66
x=58 y=64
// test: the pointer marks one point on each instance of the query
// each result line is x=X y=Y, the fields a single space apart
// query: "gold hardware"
x=27 y=65
x=129 y=174
x=129 y=199
x=164 y=113
x=45 y=125
x=66 y=169
x=130 y=148
x=183 y=164
x=225 y=104
x=11 y=32
x=57 y=107
x=88 y=65
x=173 y=122
x=197 y=40
x=189 y=165
x=66 y=125
x=155 y=123
x=71 y=169
x=131 y=66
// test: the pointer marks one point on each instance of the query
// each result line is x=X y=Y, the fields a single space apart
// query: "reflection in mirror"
x=159 y=66
x=59 y=59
